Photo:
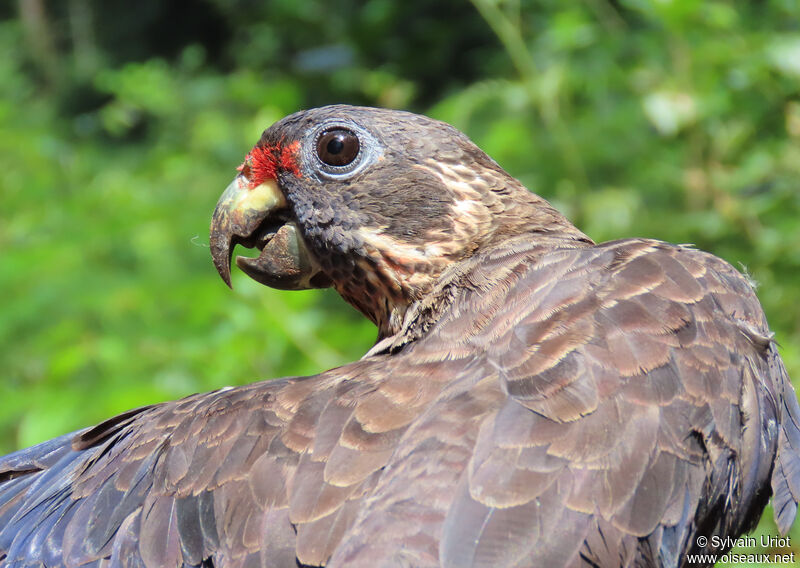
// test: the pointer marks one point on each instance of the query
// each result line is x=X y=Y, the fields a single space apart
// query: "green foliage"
x=678 y=120
x=110 y=300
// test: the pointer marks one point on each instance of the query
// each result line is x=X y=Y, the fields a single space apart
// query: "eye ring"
x=338 y=147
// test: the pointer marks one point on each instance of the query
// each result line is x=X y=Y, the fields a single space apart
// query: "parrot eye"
x=337 y=147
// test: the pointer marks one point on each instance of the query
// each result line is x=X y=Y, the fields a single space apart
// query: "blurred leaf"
x=670 y=111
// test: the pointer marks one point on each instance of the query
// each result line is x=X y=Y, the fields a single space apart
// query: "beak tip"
x=223 y=268
x=221 y=256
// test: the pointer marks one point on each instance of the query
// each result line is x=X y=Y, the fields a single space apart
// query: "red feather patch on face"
x=265 y=162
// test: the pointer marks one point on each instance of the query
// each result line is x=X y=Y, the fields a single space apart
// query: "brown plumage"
x=534 y=399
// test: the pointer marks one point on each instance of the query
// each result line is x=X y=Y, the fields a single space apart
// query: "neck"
x=406 y=316
x=471 y=274
x=394 y=280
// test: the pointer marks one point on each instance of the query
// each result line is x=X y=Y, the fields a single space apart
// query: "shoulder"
x=569 y=326
x=611 y=278
x=614 y=283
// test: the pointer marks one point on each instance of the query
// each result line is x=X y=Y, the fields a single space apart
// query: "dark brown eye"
x=337 y=147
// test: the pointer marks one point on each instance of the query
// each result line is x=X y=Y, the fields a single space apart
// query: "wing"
x=256 y=475
x=643 y=397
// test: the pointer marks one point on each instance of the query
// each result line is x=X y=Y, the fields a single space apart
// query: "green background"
x=121 y=123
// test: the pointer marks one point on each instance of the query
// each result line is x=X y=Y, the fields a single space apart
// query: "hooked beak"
x=258 y=217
